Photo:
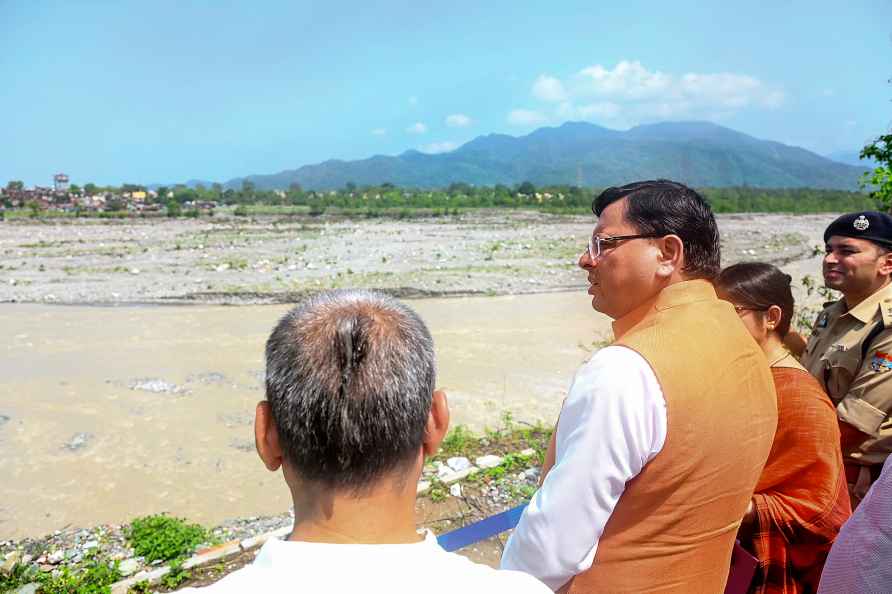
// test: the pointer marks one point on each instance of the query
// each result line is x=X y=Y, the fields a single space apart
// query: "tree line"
x=552 y=198
x=387 y=197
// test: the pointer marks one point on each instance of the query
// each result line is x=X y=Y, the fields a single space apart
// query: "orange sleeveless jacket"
x=674 y=526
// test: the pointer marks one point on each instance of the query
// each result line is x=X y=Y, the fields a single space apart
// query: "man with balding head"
x=350 y=415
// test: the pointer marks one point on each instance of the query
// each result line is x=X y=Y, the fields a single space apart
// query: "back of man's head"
x=349 y=380
x=662 y=207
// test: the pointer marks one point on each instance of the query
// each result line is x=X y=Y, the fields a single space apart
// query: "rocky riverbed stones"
x=156 y=386
x=128 y=567
x=228 y=259
x=488 y=461
x=458 y=463
x=78 y=441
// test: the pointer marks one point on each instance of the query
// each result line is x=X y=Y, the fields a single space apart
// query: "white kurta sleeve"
x=612 y=423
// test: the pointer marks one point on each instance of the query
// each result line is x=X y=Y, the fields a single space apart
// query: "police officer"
x=850 y=348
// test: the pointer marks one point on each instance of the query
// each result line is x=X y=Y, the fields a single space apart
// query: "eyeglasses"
x=597 y=245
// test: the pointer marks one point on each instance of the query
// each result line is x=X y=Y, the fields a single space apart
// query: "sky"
x=163 y=92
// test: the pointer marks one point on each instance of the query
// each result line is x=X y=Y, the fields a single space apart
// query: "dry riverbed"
x=273 y=260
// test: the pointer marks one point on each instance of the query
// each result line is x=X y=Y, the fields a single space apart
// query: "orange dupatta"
x=801 y=500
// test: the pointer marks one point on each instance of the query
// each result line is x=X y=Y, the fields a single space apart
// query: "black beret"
x=870 y=225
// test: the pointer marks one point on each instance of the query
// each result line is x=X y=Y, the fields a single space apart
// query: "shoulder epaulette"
x=886 y=312
x=883 y=324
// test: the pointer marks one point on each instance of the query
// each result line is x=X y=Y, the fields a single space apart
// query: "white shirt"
x=305 y=568
x=612 y=423
x=860 y=560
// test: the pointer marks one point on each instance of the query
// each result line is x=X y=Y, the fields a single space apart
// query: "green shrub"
x=176 y=576
x=173 y=208
x=18 y=576
x=163 y=537
x=93 y=576
x=240 y=211
x=458 y=441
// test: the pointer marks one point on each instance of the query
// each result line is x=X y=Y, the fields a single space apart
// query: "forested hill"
x=698 y=153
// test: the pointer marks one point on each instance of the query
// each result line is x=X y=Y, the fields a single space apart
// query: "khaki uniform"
x=861 y=388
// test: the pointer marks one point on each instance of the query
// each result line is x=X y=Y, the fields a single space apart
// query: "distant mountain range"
x=700 y=154
x=851 y=158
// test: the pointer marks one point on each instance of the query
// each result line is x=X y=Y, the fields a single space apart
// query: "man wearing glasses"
x=664 y=434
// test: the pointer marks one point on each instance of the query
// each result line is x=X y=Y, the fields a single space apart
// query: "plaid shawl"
x=802 y=499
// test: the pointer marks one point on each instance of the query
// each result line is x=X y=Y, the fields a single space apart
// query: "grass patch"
x=93 y=576
x=176 y=576
x=162 y=537
x=507 y=440
x=458 y=441
x=18 y=576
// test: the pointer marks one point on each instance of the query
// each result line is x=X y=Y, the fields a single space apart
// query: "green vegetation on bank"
x=94 y=575
x=164 y=538
x=156 y=538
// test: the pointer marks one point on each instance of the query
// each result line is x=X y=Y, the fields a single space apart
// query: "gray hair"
x=349 y=378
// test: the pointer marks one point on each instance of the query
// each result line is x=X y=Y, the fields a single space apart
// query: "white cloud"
x=526 y=117
x=413 y=100
x=417 y=128
x=458 y=120
x=379 y=131
x=628 y=80
x=439 y=147
x=629 y=93
x=548 y=88
x=601 y=110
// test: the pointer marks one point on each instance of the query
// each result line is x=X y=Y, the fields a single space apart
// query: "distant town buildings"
x=60 y=182
x=60 y=197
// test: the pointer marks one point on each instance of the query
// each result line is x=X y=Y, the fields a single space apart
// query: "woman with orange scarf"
x=801 y=500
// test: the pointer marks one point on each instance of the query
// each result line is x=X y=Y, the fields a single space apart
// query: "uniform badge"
x=861 y=223
x=881 y=361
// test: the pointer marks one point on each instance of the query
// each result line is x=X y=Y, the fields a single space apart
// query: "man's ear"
x=437 y=423
x=886 y=263
x=671 y=255
x=266 y=437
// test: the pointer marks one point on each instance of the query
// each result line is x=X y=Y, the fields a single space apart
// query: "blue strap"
x=473 y=533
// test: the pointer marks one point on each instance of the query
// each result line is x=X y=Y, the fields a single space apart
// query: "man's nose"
x=585 y=260
x=830 y=258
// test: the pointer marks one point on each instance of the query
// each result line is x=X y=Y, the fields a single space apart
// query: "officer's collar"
x=865 y=311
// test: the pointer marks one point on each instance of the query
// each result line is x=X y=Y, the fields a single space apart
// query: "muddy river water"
x=107 y=413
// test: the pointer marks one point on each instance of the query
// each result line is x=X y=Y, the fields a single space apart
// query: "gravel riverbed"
x=237 y=260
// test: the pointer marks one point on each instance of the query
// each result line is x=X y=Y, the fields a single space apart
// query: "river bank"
x=472 y=477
